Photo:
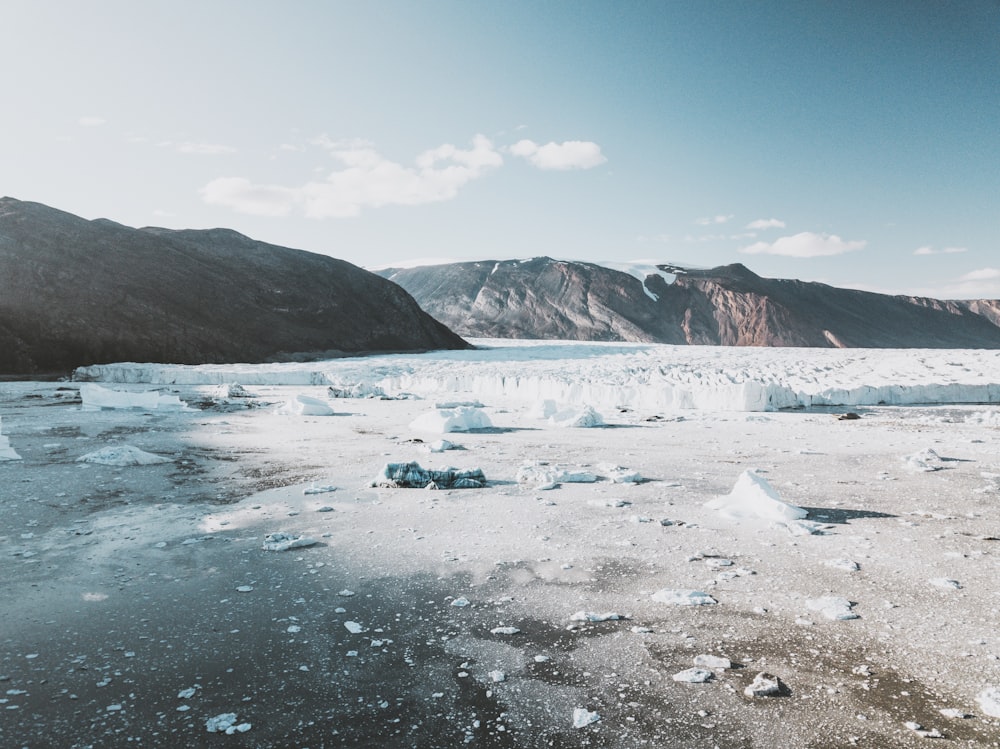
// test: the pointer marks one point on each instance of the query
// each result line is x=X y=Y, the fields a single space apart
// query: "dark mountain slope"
x=730 y=305
x=76 y=292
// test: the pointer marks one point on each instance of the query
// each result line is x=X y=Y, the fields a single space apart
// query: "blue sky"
x=853 y=143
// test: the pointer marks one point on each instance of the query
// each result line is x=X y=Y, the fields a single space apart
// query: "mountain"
x=75 y=292
x=729 y=305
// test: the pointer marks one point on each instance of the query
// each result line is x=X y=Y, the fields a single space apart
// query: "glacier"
x=625 y=375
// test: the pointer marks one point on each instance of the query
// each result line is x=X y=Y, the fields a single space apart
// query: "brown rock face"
x=76 y=292
x=730 y=306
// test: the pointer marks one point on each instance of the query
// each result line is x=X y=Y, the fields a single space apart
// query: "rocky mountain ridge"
x=729 y=305
x=75 y=292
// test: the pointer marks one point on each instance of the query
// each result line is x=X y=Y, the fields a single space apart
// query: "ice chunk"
x=285 y=541
x=989 y=701
x=619 y=474
x=583 y=418
x=412 y=476
x=122 y=455
x=96 y=398
x=541 y=475
x=683 y=597
x=443 y=421
x=232 y=390
x=6 y=451
x=591 y=616
x=221 y=723
x=693 y=676
x=712 y=661
x=763 y=685
x=753 y=497
x=306 y=405
x=505 y=631
x=582 y=717
x=925 y=461
x=833 y=607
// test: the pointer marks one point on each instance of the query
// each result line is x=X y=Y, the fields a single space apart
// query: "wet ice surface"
x=139 y=602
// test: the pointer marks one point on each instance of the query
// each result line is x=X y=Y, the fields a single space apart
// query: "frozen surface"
x=124 y=587
x=95 y=397
x=612 y=375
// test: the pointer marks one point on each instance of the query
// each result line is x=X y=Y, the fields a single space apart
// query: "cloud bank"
x=766 y=223
x=570 y=154
x=364 y=179
x=805 y=244
x=945 y=251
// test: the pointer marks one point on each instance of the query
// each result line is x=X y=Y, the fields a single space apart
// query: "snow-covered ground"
x=188 y=564
x=611 y=375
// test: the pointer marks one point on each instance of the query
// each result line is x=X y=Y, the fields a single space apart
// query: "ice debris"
x=97 y=398
x=945 y=582
x=226 y=723
x=440 y=446
x=712 y=661
x=833 y=607
x=122 y=455
x=620 y=474
x=753 y=497
x=989 y=701
x=582 y=717
x=763 y=685
x=693 y=676
x=285 y=541
x=412 y=476
x=6 y=451
x=307 y=405
x=843 y=564
x=683 y=597
x=541 y=475
x=577 y=418
x=925 y=461
x=590 y=616
x=232 y=390
x=445 y=420
x=505 y=631
x=460 y=603
x=319 y=490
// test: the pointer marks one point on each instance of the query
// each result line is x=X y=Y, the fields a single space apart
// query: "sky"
x=854 y=143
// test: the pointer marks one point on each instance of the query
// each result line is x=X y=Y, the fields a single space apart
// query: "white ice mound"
x=445 y=420
x=232 y=390
x=6 y=451
x=96 y=398
x=286 y=541
x=989 y=701
x=582 y=717
x=752 y=497
x=683 y=597
x=122 y=455
x=925 y=461
x=307 y=405
x=835 y=608
x=577 y=418
x=541 y=475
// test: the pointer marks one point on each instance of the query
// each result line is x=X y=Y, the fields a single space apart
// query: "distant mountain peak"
x=668 y=302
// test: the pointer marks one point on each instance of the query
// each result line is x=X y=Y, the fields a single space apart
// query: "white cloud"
x=983 y=274
x=245 y=197
x=570 y=154
x=367 y=180
x=805 y=244
x=91 y=121
x=204 y=149
x=710 y=220
x=926 y=250
x=766 y=223
x=983 y=283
